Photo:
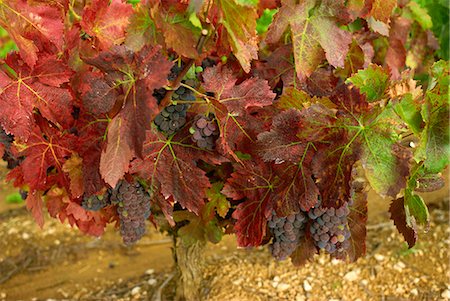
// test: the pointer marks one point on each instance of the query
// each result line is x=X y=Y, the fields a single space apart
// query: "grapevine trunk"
x=189 y=262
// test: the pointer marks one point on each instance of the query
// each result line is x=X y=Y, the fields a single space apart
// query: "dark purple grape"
x=133 y=206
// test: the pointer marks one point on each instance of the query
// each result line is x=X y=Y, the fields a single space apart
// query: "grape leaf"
x=217 y=202
x=116 y=156
x=34 y=27
x=107 y=21
x=371 y=81
x=28 y=89
x=396 y=53
x=252 y=183
x=233 y=103
x=398 y=215
x=73 y=166
x=386 y=163
x=357 y=219
x=171 y=165
x=304 y=252
x=408 y=109
x=315 y=33
x=44 y=152
x=89 y=222
x=435 y=140
x=97 y=95
x=141 y=28
x=240 y=23
x=136 y=75
x=281 y=143
x=34 y=205
x=179 y=33
x=381 y=9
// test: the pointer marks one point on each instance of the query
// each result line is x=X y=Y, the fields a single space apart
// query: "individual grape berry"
x=133 y=207
x=329 y=229
x=204 y=131
x=171 y=118
x=287 y=232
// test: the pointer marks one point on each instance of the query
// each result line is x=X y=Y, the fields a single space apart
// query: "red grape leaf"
x=304 y=252
x=89 y=222
x=240 y=23
x=315 y=33
x=232 y=105
x=97 y=95
x=171 y=165
x=251 y=182
x=89 y=147
x=29 y=89
x=357 y=219
x=252 y=92
x=396 y=52
x=137 y=74
x=43 y=152
x=34 y=205
x=297 y=189
x=116 y=156
x=281 y=143
x=107 y=20
x=73 y=166
x=32 y=26
x=398 y=215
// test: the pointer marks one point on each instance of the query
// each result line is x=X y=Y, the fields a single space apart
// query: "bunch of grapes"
x=96 y=202
x=8 y=156
x=287 y=232
x=329 y=229
x=171 y=118
x=133 y=207
x=204 y=131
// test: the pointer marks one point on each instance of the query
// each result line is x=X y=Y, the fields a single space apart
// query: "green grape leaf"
x=435 y=140
x=409 y=112
x=386 y=162
x=217 y=202
x=415 y=208
x=372 y=81
x=420 y=15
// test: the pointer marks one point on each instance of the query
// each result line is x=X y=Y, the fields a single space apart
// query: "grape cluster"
x=96 y=202
x=287 y=232
x=204 y=131
x=133 y=207
x=8 y=156
x=171 y=118
x=329 y=229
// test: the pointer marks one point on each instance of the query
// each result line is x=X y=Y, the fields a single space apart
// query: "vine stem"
x=176 y=83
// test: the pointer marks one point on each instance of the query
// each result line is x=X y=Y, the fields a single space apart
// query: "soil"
x=59 y=263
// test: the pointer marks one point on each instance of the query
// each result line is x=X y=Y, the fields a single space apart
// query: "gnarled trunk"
x=189 y=260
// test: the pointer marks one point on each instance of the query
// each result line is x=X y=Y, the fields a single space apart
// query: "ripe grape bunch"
x=329 y=229
x=287 y=232
x=171 y=118
x=204 y=131
x=133 y=207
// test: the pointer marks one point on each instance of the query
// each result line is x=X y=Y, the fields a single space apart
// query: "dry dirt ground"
x=59 y=263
